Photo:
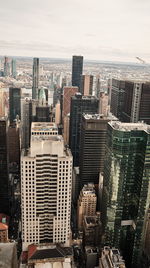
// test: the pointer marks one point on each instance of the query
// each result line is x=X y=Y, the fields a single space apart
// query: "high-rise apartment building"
x=4 y=182
x=68 y=92
x=77 y=68
x=126 y=188
x=79 y=105
x=86 y=203
x=14 y=103
x=13 y=68
x=130 y=101
x=35 y=85
x=87 y=85
x=92 y=147
x=46 y=178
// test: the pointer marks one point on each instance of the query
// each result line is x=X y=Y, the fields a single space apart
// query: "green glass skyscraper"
x=126 y=189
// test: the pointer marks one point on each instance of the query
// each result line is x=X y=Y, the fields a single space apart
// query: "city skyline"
x=99 y=30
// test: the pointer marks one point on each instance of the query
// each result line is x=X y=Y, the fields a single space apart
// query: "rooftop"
x=48 y=252
x=88 y=189
x=112 y=258
x=99 y=117
x=117 y=125
x=43 y=126
x=3 y=227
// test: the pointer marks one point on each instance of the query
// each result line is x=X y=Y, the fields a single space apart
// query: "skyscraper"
x=46 y=187
x=86 y=203
x=68 y=92
x=92 y=147
x=126 y=189
x=77 y=68
x=87 y=85
x=13 y=68
x=6 y=66
x=35 y=85
x=79 y=105
x=4 y=182
x=130 y=100
x=14 y=103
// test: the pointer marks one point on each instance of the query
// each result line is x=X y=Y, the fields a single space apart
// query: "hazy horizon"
x=102 y=30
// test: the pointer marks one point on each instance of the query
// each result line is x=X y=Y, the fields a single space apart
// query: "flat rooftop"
x=43 y=126
x=117 y=125
x=99 y=117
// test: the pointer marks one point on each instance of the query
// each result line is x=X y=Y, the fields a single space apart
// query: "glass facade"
x=126 y=189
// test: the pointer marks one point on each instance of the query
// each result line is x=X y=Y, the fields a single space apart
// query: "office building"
x=111 y=257
x=13 y=68
x=68 y=92
x=6 y=66
x=4 y=182
x=2 y=104
x=97 y=86
x=57 y=113
x=42 y=108
x=77 y=68
x=46 y=178
x=14 y=103
x=86 y=203
x=25 y=124
x=146 y=251
x=92 y=230
x=66 y=124
x=130 y=101
x=126 y=188
x=79 y=105
x=35 y=84
x=92 y=146
x=87 y=85
x=14 y=143
x=103 y=104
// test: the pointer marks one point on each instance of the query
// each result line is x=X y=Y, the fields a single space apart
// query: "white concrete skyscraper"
x=46 y=178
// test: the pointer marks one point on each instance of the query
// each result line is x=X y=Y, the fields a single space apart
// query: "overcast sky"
x=117 y=30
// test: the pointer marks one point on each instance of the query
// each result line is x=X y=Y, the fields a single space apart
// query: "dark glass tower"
x=79 y=105
x=35 y=85
x=4 y=186
x=77 y=68
x=92 y=147
x=14 y=103
x=130 y=101
x=126 y=189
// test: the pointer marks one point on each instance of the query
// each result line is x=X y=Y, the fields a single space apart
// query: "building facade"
x=79 y=105
x=68 y=92
x=92 y=147
x=4 y=161
x=77 y=68
x=86 y=203
x=126 y=188
x=46 y=178
x=87 y=85
x=130 y=101
x=14 y=103
x=35 y=85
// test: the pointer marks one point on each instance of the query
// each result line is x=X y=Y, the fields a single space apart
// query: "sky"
x=111 y=30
